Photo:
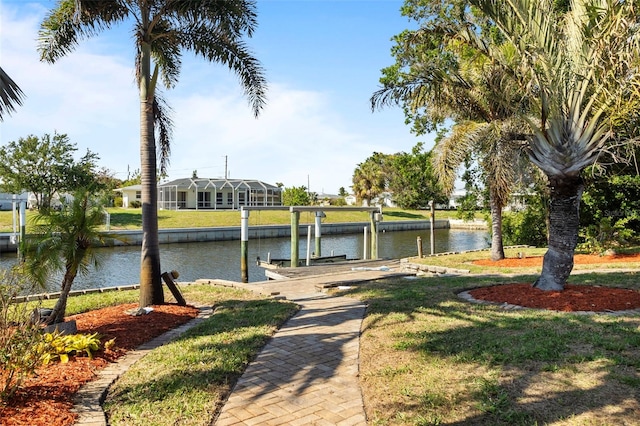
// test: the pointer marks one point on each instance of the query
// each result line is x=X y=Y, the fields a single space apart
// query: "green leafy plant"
x=20 y=338
x=62 y=346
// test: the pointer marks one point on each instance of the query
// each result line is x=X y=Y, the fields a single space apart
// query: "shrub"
x=21 y=340
x=525 y=227
x=135 y=204
x=62 y=346
x=117 y=202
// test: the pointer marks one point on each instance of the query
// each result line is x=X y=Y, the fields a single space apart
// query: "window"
x=138 y=195
x=218 y=198
x=204 y=199
x=241 y=198
x=230 y=198
x=182 y=200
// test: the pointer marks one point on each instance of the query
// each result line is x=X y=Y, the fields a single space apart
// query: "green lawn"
x=132 y=218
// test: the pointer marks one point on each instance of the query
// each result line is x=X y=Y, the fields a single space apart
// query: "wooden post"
x=375 y=219
x=295 y=236
x=168 y=279
x=244 y=245
x=419 y=242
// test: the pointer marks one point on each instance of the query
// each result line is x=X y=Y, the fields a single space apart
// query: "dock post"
x=23 y=227
x=375 y=218
x=319 y=216
x=365 y=248
x=308 y=245
x=244 y=245
x=295 y=236
x=432 y=222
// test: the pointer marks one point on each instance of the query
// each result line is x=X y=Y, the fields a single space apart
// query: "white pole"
x=366 y=244
x=308 y=245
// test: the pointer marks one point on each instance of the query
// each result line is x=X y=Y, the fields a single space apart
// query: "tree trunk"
x=497 y=247
x=150 y=275
x=564 y=220
x=60 y=308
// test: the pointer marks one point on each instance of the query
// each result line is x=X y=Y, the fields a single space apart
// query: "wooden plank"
x=174 y=289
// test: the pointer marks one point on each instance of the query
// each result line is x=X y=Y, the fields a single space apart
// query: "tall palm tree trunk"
x=150 y=284
x=497 y=247
x=564 y=220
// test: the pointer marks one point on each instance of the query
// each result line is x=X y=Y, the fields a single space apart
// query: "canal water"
x=221 y=259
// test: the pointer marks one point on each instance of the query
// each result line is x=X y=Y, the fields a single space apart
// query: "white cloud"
x=302 y=135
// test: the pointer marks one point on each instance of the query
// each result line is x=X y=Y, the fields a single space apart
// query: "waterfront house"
x=210 y=194
x=217 y=194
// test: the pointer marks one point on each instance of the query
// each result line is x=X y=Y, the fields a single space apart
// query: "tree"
x=64 y=241
x=577 y=89
x=342 y=192
x=296 y=196
x=369 y=178
x=411 y=179
x=213 y=30
x=437 y=78
x=44 y=166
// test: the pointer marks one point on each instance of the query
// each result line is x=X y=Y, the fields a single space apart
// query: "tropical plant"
x=369 y=178
x=21 y=339
x=64 y=241
x=10 y=94
x=213 y=30
x=296 y=196
x=457 y=83
x=580 y=75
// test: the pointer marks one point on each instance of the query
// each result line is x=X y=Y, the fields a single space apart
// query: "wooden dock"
x=331 y=268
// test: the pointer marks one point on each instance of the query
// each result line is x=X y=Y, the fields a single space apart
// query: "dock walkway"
x=307 y=374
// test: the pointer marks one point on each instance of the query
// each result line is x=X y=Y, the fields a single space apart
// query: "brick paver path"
x=307 y=374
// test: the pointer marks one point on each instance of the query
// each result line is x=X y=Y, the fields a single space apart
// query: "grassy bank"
x=132 y=218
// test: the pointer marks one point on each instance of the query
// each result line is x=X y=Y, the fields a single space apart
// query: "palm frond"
x=10 y=94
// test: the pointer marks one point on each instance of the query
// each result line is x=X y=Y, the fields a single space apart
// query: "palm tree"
x=573 y=68
x=369 y=178
x=10 y=94
x=64 y=241
x=162 y=29
x=459 y=84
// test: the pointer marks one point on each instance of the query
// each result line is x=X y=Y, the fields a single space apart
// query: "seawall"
x=190 y=235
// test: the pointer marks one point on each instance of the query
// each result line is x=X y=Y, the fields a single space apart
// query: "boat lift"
x=375 y=218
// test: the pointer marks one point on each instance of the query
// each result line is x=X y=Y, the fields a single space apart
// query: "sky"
x=322 y=60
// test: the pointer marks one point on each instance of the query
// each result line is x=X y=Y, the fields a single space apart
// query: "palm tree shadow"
x=318 y=343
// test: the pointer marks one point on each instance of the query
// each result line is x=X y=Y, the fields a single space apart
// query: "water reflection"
x=221 y=259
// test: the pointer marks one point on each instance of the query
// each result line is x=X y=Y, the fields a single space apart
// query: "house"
x=131 y=195
x=211 y=194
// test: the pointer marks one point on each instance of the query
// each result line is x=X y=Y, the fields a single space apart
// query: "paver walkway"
x=306 y=375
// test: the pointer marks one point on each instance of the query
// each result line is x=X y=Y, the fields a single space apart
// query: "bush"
x=62 y=346
x=21 y=340
x=135 y=204
x=527 y=227
x=117 y=202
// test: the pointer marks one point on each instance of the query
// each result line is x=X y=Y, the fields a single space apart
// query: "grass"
x=185 y=381
x=426 y=356
x=131 y=219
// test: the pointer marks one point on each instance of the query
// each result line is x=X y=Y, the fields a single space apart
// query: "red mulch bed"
x=578 y=259
x=572 y=298
x=47 y=398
